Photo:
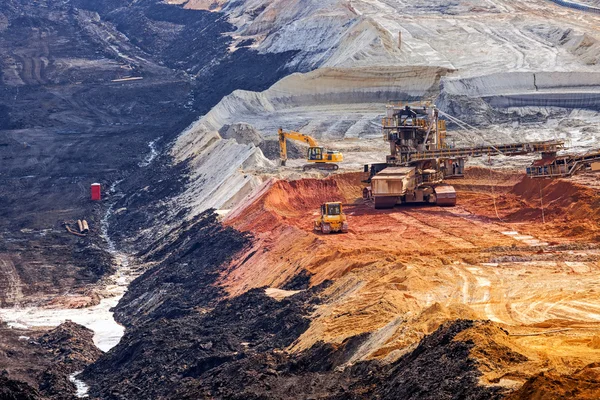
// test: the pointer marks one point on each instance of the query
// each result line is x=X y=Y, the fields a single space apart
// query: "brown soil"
x=399 y=274
x=36 y=365
x=583 y=384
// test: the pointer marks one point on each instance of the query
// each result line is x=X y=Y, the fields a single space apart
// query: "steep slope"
x=519 y=71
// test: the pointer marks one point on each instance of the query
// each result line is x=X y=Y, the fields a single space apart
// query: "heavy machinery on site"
x=553 y=166
x=331 y=218
x=420 y=158
x=318 y=157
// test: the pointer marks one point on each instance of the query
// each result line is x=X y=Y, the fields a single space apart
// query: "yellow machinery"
x=320 y=157
x=332 y=218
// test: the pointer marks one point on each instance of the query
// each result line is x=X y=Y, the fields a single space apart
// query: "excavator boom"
x=322 y=158
x=293 y=136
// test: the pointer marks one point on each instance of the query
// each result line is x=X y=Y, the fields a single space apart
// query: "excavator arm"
x=292 y=135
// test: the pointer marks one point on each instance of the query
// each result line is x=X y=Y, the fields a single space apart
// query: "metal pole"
x=542 y=203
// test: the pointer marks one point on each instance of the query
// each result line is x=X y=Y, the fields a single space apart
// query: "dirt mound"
x=499 y=358
x=11 y=389
x=439 y=368
x=38 y=365
x=556 y=205
x=565 y=206
x=427 y=322
x=270 y=149
x=242 y=133
x=583 y=384
x=560 y=198
x=155 y=359
x=72 y=349
x=190 y=253
x=301 y=195
x=285 y=199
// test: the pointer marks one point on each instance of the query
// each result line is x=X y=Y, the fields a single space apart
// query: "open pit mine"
x=299 y=199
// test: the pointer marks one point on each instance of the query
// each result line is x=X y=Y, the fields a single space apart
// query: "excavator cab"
x=315 y=154
x=332 y=218
x=320 y=154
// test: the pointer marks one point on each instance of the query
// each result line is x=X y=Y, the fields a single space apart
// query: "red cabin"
x=96 y=194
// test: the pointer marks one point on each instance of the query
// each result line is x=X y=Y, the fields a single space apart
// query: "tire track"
x=427 y=225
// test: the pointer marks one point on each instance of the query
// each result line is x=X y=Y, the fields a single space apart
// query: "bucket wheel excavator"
x=420 y=159
x=317 y=157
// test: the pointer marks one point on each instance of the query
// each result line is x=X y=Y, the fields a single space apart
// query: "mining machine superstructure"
x=420 y=157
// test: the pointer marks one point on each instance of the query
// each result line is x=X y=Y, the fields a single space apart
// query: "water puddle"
x=527 y=239
x=98 y=318
x=80 y=386
x=151 y=155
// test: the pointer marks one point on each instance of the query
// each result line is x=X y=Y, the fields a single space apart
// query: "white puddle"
x=527 y=239
x=81 y=387
x=150 y=156
x=98 y=318
x=107 y=332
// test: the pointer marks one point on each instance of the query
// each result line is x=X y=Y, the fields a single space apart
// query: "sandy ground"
x=400 y=273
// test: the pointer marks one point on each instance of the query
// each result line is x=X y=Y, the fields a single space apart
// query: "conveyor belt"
x=512 y=149
x=562 y=166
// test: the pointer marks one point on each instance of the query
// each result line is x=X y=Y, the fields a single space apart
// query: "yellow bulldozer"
x=318 y=157
x=332 y=218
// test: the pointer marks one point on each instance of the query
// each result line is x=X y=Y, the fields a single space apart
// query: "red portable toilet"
x=96 y=195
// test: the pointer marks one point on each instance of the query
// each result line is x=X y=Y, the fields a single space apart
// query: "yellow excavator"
x=332 y=218
x=320 y=157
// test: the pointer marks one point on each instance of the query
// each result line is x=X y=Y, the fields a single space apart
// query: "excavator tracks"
x=321 y=167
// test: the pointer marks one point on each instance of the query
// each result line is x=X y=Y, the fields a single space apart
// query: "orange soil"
x=400 y=273
x=583 y=384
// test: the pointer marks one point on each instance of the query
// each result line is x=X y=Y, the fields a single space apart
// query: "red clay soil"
x=399 y=274
x=560 y=207
x=280 y=216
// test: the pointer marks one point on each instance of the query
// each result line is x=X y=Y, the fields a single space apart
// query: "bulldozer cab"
x=332 y=219
x=331 y=209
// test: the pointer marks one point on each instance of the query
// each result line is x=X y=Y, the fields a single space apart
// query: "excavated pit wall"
x=580 y=5
x=570 y=90
x=221 y=169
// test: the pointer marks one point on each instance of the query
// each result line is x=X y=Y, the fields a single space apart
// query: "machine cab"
x=323 y=155
x=331 y=209
x=315 y=154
